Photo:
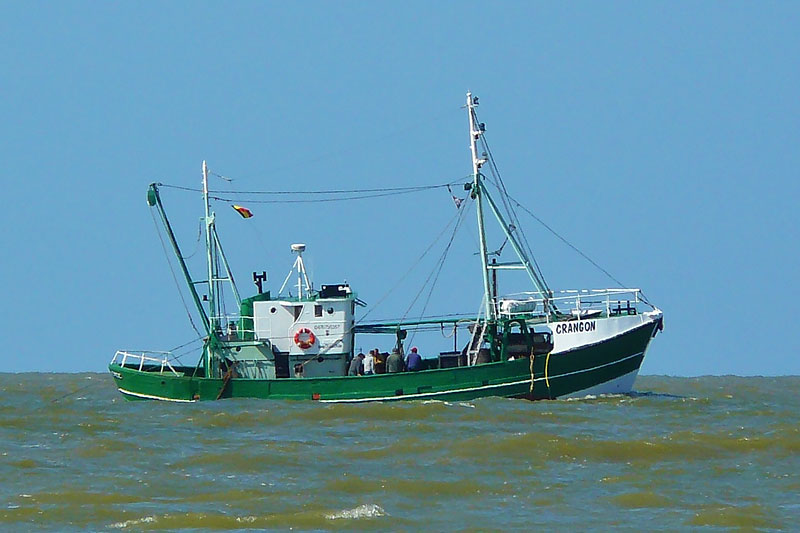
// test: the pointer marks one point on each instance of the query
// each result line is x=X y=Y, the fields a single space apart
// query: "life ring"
x=305 y=338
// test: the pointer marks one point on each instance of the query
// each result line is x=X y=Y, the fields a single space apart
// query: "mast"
x=213 y=318
x=475 y=131
x=480 y=193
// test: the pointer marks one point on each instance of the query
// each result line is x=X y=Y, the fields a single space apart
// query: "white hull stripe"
x=469 y=389
x=151 y=397
x=619 y=385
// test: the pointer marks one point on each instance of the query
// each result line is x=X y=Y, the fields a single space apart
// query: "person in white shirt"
x=369 y=364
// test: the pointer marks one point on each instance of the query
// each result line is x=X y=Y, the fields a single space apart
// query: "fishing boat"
x=299 y=343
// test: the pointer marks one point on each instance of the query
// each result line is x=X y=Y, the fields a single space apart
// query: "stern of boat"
x=151 y=376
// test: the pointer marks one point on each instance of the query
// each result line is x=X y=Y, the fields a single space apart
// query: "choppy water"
x=713 y=453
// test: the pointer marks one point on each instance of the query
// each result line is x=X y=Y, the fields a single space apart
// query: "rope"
x=197 y=243
x=532 y=358
x=75 y=391
x=225 y=380
x=546 y=375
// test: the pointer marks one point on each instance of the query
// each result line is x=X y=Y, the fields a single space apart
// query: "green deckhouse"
x=299 y=345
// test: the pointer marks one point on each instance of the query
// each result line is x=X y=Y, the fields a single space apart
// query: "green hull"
x=555 y=376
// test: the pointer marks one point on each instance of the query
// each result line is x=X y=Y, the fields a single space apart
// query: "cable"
x=197 y=243
x=504 y=196
x=565 y=241
x=331 y=191
x=343 y=191
x=438 y=271
x=55 y=400
x=317 y=200
x=413 y=266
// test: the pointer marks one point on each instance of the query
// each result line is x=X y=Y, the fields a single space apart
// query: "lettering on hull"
x=579 y=326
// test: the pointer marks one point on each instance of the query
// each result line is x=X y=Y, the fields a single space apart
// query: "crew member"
x=357 y=366
x=369 y=364
x=394 y=363
x=414 y=361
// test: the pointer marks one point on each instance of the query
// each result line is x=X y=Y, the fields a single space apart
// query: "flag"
x=456 y=199
x=246 y=213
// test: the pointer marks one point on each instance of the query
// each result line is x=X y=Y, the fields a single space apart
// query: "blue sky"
x=660 y=138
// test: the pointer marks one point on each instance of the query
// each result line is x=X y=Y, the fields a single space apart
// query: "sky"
x=660 y=138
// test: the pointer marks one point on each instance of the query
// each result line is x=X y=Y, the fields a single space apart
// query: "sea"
x=696 y=454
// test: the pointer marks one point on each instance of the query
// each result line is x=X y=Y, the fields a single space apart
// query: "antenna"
x=300 y=267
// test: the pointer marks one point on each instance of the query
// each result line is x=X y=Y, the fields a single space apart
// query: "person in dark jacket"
x=356 y=366
x=414 y=361
x=394 y=363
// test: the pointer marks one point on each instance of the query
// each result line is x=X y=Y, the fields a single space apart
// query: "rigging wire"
x=174 y=278
x=188 y=349
x=185 y=344
x=72 y=393
x=414 y=265
x=504 y=196
x=461 y=317
x=575 y=248
x=380 y=190
x=515 y=224
x=317 y=200
x=437 y=269
x=197 y=243
x=220 y=299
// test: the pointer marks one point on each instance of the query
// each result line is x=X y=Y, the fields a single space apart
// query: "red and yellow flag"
x=246 y=213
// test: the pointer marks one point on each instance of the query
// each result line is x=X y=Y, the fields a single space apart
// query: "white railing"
x=157 y=358
x=230 y=327
x=580 y=303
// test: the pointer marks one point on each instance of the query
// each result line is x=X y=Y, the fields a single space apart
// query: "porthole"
x=272 y=310
x=330 y=310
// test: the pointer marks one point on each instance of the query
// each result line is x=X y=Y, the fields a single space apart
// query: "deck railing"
x=150 y=357
x=579 y=302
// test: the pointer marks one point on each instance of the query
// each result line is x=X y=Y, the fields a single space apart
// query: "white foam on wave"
x=368 y=510
x=449 y=404
x=580 y=398
x=135 y=522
